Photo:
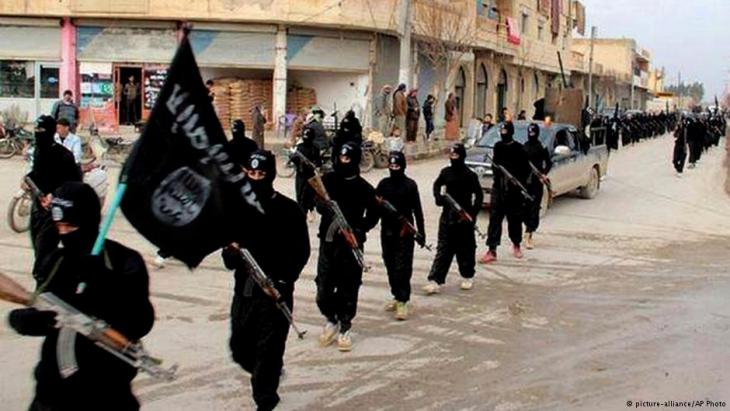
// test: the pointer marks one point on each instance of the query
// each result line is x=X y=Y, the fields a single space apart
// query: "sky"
x=691 y=36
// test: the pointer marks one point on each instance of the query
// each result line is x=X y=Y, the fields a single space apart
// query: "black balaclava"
x=459 y=149
x=533 y=132
x=506 y=131
x=77 y=204
x=45 y=129
x=396 y=157
x=308 y=136
x=238 y=130
x=351 y=169
x=265 y=161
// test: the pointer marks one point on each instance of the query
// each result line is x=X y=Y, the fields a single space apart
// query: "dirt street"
x=625 y=299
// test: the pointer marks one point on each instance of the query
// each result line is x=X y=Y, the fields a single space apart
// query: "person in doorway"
x=504 y=115
x=65 y=108
x=400 y=109
x=452 y=118
x=522 y=115
x=456 y=233
x=539 y=157
x=258 y=328
x=428 y=113
x=414 y=114
x=131 y=92
x=258 y=118
x=66 y=138
x=507 y=200
x=402 y=193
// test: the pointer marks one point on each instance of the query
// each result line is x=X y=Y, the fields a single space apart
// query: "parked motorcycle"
x=15 y=142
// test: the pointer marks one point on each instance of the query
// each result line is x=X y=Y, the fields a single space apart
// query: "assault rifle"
x=463 y=215
x=267 y=285
x=72 y=322
x=304 y=159
x=338 y=221
x=34 y=190
x=408 y=227
x=512 y=179
x=545 y=180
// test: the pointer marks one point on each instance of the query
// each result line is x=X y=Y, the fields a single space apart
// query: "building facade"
x=506 y=55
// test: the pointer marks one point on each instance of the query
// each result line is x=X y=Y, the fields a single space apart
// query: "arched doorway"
x=459 y=89
x=481 y=92
x=502 y=91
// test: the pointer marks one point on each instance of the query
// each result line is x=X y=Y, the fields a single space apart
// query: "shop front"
x=30 y=58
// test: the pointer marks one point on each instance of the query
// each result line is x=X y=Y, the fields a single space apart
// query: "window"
x=49 y=82
x=535 y=87
x=540 y=31
x=17 y=79
x=525 y=21
x=481 y=91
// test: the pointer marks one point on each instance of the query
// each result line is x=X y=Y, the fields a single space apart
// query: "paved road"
x=624 y=300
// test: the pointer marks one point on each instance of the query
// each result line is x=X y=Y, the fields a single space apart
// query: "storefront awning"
x=30 y=43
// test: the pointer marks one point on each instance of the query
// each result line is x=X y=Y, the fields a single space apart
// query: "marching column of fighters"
x=264 y=283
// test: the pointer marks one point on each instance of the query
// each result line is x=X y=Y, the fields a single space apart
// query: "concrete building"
x=344 y=51
x=622 y=63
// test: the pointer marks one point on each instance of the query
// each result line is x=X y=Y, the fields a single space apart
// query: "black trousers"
x=695 y=151
x=532 y=210
x=511 y=206
x=44 y=236
x=258 y=341
x=680 y=156
x=454 y=239
x=398 y=259
x=338 y=283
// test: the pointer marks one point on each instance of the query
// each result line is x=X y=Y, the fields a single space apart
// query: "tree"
x=444 y=31
x=695 y=90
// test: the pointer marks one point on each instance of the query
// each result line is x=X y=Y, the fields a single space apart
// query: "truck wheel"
x=590 y=190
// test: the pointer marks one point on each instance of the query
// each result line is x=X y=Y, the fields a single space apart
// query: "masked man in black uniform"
x=507 y=199
x=456 y=234
x=113 y=287
x=539 y=156
x=338 y=274
x=305 y=195
x=402 y=193
x=279 y=242
x=53 y=165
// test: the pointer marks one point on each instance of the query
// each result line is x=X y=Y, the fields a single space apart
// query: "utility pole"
x=590 y=68
x=404 y=71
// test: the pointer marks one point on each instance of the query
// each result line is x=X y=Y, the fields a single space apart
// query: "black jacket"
x=278 y=240
x=463 y=185
x=53 y=166
x=312 y=153
x=539 y=156
x=402 y=192
x=513 y=157
x=356 y=198
x=117 y=291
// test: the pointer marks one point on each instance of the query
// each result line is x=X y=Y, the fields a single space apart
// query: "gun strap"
x=48 y=280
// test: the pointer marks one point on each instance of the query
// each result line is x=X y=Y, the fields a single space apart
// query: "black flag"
x=183 y=190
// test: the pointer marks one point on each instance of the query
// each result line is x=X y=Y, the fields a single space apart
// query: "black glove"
x=232 y=258
x=440 y=202
x=31 y=322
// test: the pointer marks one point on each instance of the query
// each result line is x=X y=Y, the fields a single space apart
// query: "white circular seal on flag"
x=180 y=197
